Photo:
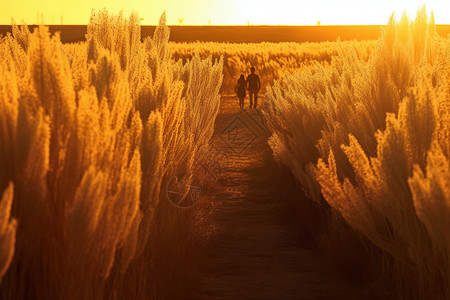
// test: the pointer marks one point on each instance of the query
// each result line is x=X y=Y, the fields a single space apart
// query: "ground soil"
x=254 y=253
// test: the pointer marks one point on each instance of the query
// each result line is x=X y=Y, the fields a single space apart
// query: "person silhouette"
x=253 y=85
x=241 y=90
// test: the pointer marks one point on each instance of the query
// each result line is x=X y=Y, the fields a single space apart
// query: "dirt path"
x=254 y=254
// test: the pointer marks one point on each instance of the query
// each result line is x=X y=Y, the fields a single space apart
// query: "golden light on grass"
x=93 y=133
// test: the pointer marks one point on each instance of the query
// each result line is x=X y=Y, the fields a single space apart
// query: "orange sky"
x=225 y=12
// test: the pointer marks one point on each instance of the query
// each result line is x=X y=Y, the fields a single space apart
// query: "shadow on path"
x=254 y=253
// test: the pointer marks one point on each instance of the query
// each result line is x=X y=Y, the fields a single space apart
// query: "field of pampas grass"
x=271 y=60
x=369 y=140
x=93 y=136
x=88 y=138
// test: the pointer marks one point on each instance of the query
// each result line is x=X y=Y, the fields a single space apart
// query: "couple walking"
x=252 y=84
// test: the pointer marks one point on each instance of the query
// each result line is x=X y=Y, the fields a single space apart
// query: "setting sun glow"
x=224 y=149
x=226 y=12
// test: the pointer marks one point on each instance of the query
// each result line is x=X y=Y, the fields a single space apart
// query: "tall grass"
x=371 y=139
x=271 y=60
x=89 y=136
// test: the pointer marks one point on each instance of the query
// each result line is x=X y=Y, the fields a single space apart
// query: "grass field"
x=128 y=171
x=243 y=34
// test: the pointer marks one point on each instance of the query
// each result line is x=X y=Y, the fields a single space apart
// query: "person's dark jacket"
x=240 y=88
x=253 y=82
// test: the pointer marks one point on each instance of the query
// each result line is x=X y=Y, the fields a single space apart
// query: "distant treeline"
x=242 y=34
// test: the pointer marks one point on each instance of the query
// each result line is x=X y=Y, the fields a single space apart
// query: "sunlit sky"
x=224 y=12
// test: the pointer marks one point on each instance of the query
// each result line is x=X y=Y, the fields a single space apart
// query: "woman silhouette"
x=240 y=90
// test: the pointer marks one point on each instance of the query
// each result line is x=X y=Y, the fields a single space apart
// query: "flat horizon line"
x=206 y=25
x=241 y=33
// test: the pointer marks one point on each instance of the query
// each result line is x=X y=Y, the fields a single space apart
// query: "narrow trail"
x=254 y=254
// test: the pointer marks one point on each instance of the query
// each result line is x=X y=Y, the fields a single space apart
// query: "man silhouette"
x=253 y=85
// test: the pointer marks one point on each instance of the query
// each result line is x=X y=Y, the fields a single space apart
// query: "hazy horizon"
x=225 y=161
x=225 y=13
x=251 y=25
